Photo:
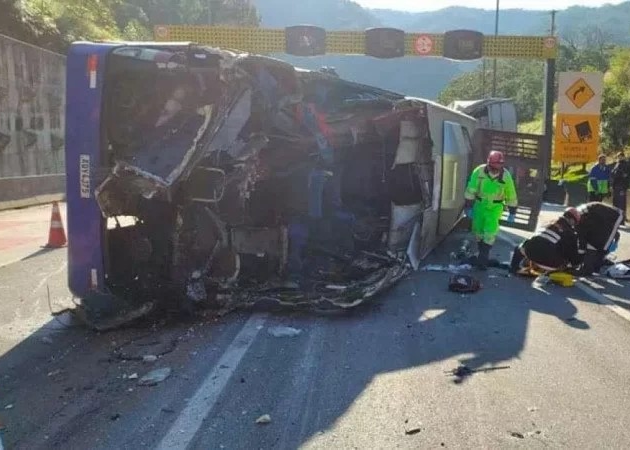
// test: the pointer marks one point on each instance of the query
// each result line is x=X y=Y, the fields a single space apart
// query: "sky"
x=428 y=5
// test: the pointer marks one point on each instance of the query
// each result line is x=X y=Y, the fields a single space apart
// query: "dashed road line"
x=183 y=431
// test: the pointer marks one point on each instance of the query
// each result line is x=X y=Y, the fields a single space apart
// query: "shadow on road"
x=63 y=388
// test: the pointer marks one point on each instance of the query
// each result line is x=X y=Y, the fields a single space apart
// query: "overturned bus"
x=199 y=177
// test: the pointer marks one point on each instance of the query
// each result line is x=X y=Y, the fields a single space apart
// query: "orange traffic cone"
x=56 y=235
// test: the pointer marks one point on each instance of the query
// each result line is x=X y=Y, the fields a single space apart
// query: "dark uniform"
x=551 y=248
x=599 y=228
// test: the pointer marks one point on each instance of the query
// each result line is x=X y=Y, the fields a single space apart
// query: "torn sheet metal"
x=253 y=181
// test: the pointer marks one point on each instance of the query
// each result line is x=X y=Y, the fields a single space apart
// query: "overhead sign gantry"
x=307 y=40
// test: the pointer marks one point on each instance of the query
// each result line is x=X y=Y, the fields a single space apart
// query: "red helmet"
x=572 y=214
x=496 y=159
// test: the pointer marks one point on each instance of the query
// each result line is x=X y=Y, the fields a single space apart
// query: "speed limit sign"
x=424 y=44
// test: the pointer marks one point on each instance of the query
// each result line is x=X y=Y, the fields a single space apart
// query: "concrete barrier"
x=19 y=192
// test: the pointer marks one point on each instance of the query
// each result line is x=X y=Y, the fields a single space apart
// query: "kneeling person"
x=554 y=247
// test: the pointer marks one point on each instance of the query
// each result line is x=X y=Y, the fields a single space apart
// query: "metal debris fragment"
x=281 y=331
x=264 y=419
x=462 y=371
x=155 y=376
x=413 y=431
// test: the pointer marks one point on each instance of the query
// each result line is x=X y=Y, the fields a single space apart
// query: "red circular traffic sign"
x=549 y=42
x=424 y=44
x=161 y=32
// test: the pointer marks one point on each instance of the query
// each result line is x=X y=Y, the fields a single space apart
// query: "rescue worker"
x=553 y=248
x=599 y=229
x=490 y=188
x=620 y=176
x=598 y=185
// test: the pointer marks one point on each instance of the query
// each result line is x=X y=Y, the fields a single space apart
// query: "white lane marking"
x=189 y=421
x=580 y=284
x=49 y=276
x=608 y=303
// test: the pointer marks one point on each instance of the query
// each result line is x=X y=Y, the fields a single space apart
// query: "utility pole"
x=483 y=79
x=550 y=94
x=494 y=63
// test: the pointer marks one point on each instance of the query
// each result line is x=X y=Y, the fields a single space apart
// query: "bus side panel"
x=84 y=81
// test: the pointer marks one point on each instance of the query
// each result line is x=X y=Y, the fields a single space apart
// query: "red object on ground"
x=56 y=235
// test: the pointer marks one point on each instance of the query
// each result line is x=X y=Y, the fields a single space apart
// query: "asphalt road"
x=376 y=377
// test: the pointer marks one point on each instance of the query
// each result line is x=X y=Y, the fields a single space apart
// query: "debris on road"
x=619 y=271
x=146 y=349
x=10 y=406
x=452 y=268
x=413 y=431
x=47 y=340
x=155 y=376
x=133 y=376
x=517 y=435
x=282 y=331
x=462 y=371
x=463 y=284
x=264 y=419
x=114 y=417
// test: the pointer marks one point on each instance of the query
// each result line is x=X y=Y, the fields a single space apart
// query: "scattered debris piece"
x=516 y=434
x=618 y=271
x=145 y=349
x=133 y=376
x=452 y=268
x=462 y=371
x=532 y=409
x=281 y=331
x=10 y=406
x=463 y=284
x=264 y=419
x=54 y=372
x=47 y=340
x=155 y=376
x=114 y=417
x=413 y=431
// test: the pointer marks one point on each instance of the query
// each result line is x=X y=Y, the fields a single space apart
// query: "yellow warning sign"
x=580 y=93
x=577 y=138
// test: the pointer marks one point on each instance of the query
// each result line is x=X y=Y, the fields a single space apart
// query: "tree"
x=519 y=80
x=616 y=103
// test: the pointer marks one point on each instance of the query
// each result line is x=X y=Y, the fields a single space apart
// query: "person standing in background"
x=598 y=185
x=620 y=177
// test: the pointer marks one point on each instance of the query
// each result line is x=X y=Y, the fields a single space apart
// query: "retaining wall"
x=32 y=124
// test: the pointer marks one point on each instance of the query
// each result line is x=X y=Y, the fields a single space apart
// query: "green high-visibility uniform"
x=490 y=195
